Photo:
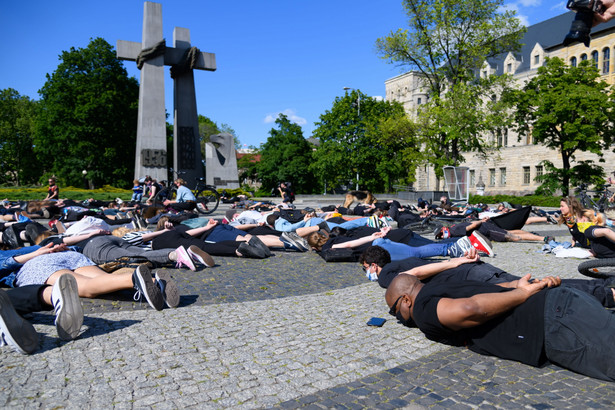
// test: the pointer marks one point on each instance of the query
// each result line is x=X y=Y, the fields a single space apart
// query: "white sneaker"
x=67 y=305
x=183 y=259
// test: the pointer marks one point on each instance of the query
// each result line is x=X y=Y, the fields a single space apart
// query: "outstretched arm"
x=462 y=313
x=431 y=269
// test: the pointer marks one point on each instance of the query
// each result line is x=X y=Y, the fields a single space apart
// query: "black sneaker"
x=14 y=330
x=248 y=251
x=257 y=242
x=67 y=305
x=146 y=288
x=551 y=219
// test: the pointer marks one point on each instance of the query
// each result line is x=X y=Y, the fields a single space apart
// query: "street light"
x=358 y=115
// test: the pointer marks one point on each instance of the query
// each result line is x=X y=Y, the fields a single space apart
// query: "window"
x=485 y=74
x=509 y=68
x=573 y=62
x=606 y=60
x=502 y=135
x=583 y=57
x=526 y=175
x=539 y=170
x=502 y=176
x=492 y=176
x=472 y=178
x=595 y=58
x=537 y=59
x=418 y=101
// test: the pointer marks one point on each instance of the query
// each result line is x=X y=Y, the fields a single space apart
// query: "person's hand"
x=469 y=256
x=552 y=281
x=385 y=230
x=530 y=287
x=169 y=226
x=608 y=14
x=166 y=202
x=212 y=222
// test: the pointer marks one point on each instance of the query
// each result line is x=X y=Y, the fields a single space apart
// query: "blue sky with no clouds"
x=273 y=56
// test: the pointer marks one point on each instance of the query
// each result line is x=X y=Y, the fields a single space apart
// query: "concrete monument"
x=151 y=56
x=221 y=162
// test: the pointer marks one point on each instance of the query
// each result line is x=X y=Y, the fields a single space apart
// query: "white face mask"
x=373 y=276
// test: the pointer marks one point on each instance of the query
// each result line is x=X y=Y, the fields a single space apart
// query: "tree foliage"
x=286 y=156
x=17 y=159
x=349 y=142
x=446 y=42
x=568 y=109
x=87 y=118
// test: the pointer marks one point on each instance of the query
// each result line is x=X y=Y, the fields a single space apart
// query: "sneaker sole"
x=183 y=258
x=150 y=291
x=257 y=242
x=200 y=255
x=18 y=333
x=486 y=243
x=70 y=317
x=300 y=247
x=171 y=291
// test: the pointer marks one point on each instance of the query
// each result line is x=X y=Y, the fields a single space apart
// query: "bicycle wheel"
x=598 y=268
x=164 y=194
x=207 y=200
x=427 y=225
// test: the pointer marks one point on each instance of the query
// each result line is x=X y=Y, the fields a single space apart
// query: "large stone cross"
x=151 y=153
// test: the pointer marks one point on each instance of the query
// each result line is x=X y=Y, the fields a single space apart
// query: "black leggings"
x=175 y=238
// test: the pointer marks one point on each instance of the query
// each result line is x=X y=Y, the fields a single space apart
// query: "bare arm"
x=431 y=269
x=462 y=313
x=366 y=239
x=71 y=240
x=49 y=248
x=201 y=230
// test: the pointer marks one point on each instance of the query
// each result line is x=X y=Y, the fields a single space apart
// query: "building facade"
x=513 y=169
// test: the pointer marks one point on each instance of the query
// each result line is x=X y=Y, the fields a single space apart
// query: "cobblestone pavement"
x=286 y=332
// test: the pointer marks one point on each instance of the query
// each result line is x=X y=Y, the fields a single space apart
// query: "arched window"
x=606 y=60
x=595 y=58
x=573 y=62
x=583 y=57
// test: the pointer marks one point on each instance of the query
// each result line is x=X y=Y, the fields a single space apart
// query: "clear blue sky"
x=273 y=56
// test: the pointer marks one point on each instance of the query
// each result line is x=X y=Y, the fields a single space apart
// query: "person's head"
x=570 y=206
x=443 y=199
x=230 y=215
x=271 y=218
x=161 y=222
x=52 y=181
x=592 y=216
x=400 y=297
x=42 y=236
x=136 y=182
x=317 y=239
x=373 y=259
x=179 y=182
x=121 y=231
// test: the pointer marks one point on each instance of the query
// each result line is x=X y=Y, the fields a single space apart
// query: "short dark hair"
x=271 y=218
x=377 y=255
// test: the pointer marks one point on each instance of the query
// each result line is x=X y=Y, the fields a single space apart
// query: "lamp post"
x=358 y=115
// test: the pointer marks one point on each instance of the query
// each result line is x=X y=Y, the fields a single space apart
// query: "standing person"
x=186 y=201
x=137 y=191
x=53 y=192
x=530 y=322
x=285 y=193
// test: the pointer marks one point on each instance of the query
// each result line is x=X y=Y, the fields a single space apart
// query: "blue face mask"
x=373 y=276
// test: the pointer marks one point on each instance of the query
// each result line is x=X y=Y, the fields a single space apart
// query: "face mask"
x=373 y=276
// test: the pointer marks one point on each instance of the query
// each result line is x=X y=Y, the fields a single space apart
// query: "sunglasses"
x=393 y=310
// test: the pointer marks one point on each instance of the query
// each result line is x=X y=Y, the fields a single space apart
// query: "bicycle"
x=603 y=202
x=207 y=196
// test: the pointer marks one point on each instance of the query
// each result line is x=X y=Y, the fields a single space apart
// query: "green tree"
x=286 y=156
x=17 y=159
x=568 y=109
x=348 y=144
x=447 y=41
x=87 y=118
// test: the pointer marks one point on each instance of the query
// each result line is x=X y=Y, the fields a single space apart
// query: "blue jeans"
x=9 y=266
x=283 y=225
x=352 y=224
x=579 y=333
x=401 y=251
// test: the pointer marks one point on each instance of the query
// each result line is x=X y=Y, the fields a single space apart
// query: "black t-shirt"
x=515 y=335
x=601 y=246
x=477 y=271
